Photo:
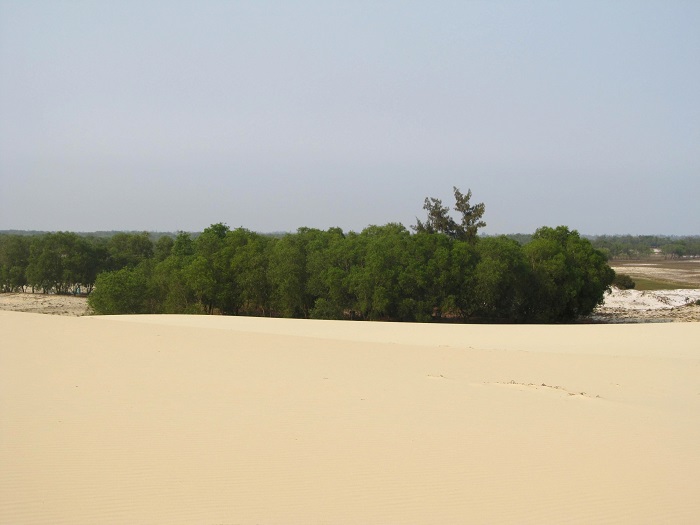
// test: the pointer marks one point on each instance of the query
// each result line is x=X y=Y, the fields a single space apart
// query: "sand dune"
x=213 y=420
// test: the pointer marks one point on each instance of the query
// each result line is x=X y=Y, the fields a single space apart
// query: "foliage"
x=62 y=262
x=129 y=249
x=442 y=271
x=500 y=279
x=120 y=292
x=14 y=259
x=569 y=275
x=643 y=246
x=439 y=220
x=623 y=281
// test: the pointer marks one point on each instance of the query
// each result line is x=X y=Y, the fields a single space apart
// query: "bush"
x=623 y=281
x=120 y=292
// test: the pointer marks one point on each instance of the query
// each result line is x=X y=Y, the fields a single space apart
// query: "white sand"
x=650 y=299
x=212 y=420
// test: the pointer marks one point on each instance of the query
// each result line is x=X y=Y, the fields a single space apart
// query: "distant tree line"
x=441 y=270
x=644 y=246
x=626 y=247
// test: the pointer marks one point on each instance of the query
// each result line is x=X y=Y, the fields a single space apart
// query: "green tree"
x=289 y=274
x=120 y=292
x=247 y=254
x=461 y=299
x=329 y=261
x=183 y=245
x=499 y=279
x=210 y=273
x=439 y=220
x=570 y=277
x=624 y=281
x=169 y=288
x=426 y=279
x=60 y=261
x=375 y=282
x=163 y=248
x=470 y=216
x=129 y=249
x=14 y=259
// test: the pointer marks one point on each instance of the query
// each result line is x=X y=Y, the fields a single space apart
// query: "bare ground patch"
x=45 y=304
x=656 y=273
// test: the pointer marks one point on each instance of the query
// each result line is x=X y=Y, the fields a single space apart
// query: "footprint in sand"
x=543 y=386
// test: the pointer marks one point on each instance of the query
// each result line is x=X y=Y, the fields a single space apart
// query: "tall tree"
x=471 y=216
x=440 y=221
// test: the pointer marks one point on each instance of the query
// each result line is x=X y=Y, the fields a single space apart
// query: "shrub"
x=623 y=281
x=120 y=292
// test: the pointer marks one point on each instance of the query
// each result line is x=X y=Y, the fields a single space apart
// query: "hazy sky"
x=173 y=115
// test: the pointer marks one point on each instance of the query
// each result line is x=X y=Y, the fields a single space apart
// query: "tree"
x=120 y=292
x=183 y=245
x=624 y=281
x=499 y=279
x=14 y=258
x=163 y=248
x=439 y=220
x=330 y=259
x=570 y=277
x=129 y=249
x=471 y=216
x=59 y=261
x=248 y=256
x=82 y=264
x=169 y=289
x=211 y=274
x=427 y=281
x=289 y=274
x=461 y=299
x=375 y=282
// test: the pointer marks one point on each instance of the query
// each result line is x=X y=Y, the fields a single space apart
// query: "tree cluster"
x=442 y=271
x=381 y=273
x=643 y=246
x=66 y=262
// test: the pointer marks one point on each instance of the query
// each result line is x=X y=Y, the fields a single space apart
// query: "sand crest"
x=212 y=420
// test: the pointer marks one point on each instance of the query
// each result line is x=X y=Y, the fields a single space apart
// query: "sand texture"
x=225 y=420
x=637 y=306
x=41 y=303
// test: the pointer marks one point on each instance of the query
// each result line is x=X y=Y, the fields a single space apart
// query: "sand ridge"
x=177 y=419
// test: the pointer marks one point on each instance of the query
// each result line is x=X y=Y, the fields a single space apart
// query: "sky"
x=273 y=115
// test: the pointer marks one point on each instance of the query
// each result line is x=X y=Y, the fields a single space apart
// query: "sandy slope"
x=211 y=420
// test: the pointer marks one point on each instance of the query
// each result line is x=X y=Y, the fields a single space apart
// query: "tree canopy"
x=440 y=221
x=442 y=271
x=381 y=273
